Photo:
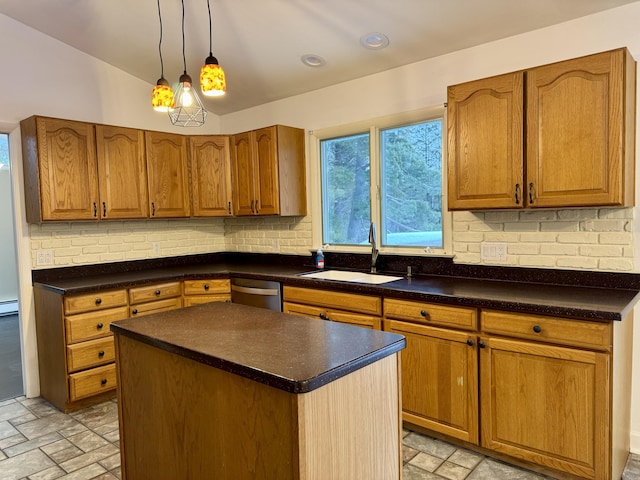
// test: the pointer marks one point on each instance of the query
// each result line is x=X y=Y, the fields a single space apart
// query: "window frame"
x=373 y=127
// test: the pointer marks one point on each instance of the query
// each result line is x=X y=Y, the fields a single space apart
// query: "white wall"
x=82 y=88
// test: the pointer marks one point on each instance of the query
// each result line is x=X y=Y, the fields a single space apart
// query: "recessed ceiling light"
x=374 y=41
x=311 y=60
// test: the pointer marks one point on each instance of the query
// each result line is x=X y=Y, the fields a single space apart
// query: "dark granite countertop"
x=288 y=352
x=569 y=301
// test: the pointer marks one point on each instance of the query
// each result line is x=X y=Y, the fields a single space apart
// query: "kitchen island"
x=229 y=391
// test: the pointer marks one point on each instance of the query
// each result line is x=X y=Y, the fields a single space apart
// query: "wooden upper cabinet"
x=269 y=172
x=168 y=173
x=485 y=122
x=122 y=173
x=60 y=172
x=580 y=136
x=581 y=131
x=210 y=175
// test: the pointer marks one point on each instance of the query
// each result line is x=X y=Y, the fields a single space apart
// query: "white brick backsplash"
x=537 y=216
x=616 y=264
x=592 y=239
x=558 y=249
x=601 y=251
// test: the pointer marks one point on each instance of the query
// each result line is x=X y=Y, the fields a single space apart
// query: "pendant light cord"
x=160 y=43
x=210 y=31
x=184 y=57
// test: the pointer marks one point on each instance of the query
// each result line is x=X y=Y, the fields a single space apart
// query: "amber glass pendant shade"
x=212 y=79
x=162 y=99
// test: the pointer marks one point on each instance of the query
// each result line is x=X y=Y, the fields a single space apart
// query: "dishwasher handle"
x=267 y=292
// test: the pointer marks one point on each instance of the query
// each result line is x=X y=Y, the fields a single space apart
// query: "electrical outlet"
x=44 y=257
x=156 y=248
x=493 y=251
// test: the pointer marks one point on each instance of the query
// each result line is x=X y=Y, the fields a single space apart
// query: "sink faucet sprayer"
x=374 y=250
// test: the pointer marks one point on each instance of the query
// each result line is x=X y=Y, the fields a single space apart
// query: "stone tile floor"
x=37 y=442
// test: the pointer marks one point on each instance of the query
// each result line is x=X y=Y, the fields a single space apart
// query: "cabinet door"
x=546 y=404
x=68 y=171
x=485 y=158
x=210 y=175
x=439 y=379
x=244 y=197
x=266 y=155
x=576 y=150
x=168 y=175
x=122 y=173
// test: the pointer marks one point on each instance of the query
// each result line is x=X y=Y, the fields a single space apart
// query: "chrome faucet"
x=374 y=250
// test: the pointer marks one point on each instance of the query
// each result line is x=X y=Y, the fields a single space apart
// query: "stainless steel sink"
x=355 y=277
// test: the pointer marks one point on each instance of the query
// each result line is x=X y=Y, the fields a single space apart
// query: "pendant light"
x=212 y=79
x=188 y=110
x=162 y=95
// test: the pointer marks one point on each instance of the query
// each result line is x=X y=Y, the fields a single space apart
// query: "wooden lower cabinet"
x=546 y=404
x=155 y=298
x=75 y=346
x=439 y=372
x=549 y=393
x=355 y=309
x=208 y=290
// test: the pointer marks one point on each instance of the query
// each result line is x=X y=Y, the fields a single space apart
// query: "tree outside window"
x=4 y=151
x=408 y=191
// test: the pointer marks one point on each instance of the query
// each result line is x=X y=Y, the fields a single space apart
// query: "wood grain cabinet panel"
x=210 y=161
x=579 y=133
x=168 y=175
x=60 y=170
x=269 y=172
x=352 y=308
x=439 y=379
x=547 y=404
x=122 y=173
x=196 y=292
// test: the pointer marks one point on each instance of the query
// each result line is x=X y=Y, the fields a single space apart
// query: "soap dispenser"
x=319 y=258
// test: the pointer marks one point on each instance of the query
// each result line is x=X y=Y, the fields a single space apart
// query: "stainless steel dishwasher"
x=257 y=293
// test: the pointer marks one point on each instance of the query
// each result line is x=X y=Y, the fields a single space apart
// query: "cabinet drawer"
x=94 y=301
x=156 y=307
x=90 y=354
x=369 y=321
x=87 y=326
x=326 y=298
x=207 y=286
x=199 y=299
x=428 y=313
x=92 y=382
x=579 y=333
x=157 y=291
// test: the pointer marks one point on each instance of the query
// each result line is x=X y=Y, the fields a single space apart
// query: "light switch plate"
x=44 y=257
x=493 y=251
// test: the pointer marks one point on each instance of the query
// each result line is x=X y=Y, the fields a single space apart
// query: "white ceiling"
x=259 y=42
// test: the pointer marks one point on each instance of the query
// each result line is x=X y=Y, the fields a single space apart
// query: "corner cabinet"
x=269 y=172
x=210 y=161
x=168 y=171
x=60 y=170
x=576 y=120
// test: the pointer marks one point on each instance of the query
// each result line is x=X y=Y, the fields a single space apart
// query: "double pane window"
x=391 y=176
